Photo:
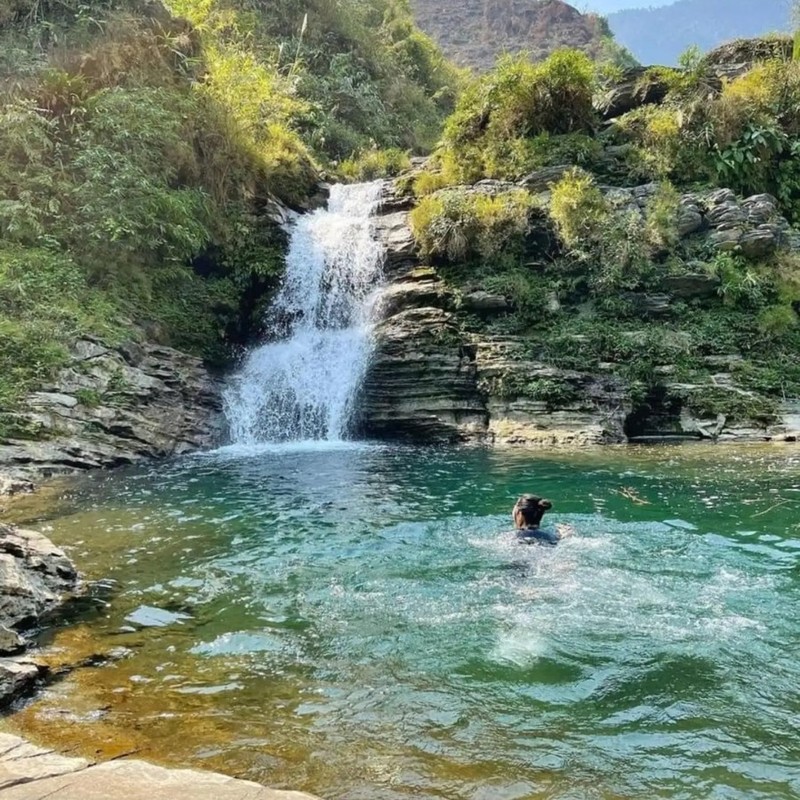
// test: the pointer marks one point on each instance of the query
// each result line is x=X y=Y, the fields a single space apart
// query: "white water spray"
x=302 y=383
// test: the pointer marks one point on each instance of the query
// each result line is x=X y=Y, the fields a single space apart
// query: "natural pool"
x=351 y=621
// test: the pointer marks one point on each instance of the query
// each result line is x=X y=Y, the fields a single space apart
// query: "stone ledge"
x=28 y=772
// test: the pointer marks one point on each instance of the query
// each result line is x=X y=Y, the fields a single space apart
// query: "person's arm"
x=564 y=530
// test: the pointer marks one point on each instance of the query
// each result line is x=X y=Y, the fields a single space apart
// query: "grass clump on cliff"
x=616 y=248
x=45 y=302
x=455 y=225
x=744 y=136
x=520 y=116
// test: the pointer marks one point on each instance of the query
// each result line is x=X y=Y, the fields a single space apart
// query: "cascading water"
x=303 y=382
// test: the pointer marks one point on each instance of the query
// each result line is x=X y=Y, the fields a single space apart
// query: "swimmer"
x=528 y=512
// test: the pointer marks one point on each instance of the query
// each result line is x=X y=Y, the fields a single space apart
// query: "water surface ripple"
x=351 y=620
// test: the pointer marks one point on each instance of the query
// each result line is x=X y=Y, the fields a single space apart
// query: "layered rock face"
x=473 y=33
x=433 y=378
x=111 y=406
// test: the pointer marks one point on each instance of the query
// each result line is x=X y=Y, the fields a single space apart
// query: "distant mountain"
x=660 y=35
x=474 y=33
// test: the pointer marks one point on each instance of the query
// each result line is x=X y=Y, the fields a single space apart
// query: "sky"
x=609 y=6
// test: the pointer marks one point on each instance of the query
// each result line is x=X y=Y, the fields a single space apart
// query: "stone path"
x=28 y=772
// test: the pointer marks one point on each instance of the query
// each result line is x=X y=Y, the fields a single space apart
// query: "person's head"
x=529 y=510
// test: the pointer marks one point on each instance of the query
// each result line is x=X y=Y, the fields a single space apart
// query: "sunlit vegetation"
x=589 y=279
x=520 y=116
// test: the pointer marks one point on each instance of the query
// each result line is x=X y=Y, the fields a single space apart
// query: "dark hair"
x=530 y=509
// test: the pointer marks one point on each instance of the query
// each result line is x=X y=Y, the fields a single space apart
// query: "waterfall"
x=302 y=383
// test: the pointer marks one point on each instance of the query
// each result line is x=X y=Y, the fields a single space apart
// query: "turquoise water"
x=356 y=622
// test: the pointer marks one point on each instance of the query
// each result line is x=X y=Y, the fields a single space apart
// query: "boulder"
x=737 y=57
x=637 y=87
x=11 y=642
x=648 y=303
x=485 y=304
x=35 y=575
x=758 y=243
x=690 y=285
x=17 y=678
x=690 y=218
x=540 y=180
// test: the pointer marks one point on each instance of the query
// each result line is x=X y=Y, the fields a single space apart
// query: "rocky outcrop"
x=431 y=381
x=422 y=382
x=752 y=227
x=637 y=86
x=111 y=406
x=35 y=578
x=28 y=771
x=435 y=378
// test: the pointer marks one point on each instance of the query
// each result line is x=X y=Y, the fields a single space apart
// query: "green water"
x=354 y=622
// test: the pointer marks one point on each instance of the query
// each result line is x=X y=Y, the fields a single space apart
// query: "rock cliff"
x=440 y=373
x=110 y=406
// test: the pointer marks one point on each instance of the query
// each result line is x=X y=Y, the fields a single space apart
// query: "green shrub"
x=661 y=217
x=741 y=283
x=710 y=402
x=617 y=249
x=45 y=302
x=776 y=321
x=428 y=182
x=745 y=137
x=488 y=134
x=578 y=209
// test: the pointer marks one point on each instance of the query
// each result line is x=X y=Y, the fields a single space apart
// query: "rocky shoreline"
x=36 y=578
x=110 y=406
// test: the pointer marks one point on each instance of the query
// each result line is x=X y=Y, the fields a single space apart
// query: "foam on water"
x=302 y=383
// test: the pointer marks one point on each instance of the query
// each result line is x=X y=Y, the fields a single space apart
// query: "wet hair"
x=529 y=510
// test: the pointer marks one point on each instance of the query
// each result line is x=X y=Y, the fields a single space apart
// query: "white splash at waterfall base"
x=302 y=384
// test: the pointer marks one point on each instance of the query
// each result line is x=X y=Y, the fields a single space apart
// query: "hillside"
x=473 y=33
x=660 y=35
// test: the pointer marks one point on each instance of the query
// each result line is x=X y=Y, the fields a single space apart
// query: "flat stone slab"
x=28 y=772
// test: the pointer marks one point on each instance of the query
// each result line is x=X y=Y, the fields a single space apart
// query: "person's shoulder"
x=538 y=535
